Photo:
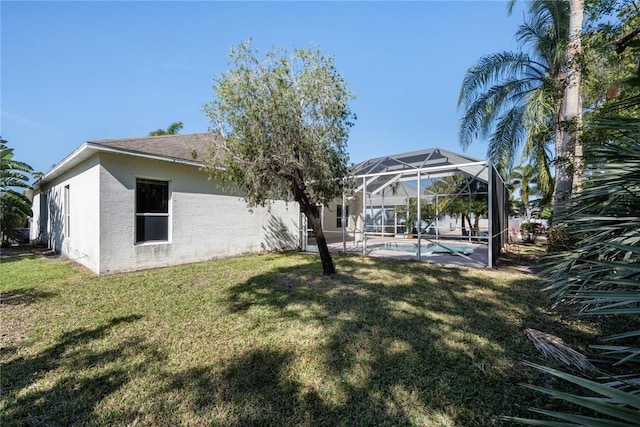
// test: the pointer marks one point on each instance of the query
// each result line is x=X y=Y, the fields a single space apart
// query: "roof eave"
x=88 y=149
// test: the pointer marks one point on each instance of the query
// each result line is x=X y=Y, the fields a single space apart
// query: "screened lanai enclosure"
x=429 y=205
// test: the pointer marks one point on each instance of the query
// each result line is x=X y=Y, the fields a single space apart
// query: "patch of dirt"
x=199 y=283
x=288 y=280
x=13 y=331
x=521 y=258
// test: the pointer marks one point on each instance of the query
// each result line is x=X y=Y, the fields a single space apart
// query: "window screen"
x=152 y=210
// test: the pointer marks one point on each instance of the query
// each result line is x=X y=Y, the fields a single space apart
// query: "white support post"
x=364 y=215
x=383 y=216
x=419 y=190
x=395 y=221
x=491 y=236
x=303 y=231
x=437 y=225
x=344 y=223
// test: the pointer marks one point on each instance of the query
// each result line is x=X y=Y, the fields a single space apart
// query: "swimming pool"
x=425 y=248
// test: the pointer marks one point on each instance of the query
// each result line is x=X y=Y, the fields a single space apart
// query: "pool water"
x=425 y=248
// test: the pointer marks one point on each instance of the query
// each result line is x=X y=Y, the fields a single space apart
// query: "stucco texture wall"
x=71 y=229
x=205 y=221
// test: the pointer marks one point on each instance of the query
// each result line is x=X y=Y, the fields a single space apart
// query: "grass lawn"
x=265 y=340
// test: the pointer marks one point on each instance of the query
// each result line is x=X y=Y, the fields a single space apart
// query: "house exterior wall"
x=37 y=220
x=70 y=228
x=205 y=221
x=333 y=233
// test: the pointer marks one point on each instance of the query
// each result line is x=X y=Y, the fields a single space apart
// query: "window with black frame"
x=152 y=210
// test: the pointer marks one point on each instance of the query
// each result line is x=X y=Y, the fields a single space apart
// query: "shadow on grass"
x=15 y=258
x=24 y=296
x=406 y=343
x=67 y=398
x=17 y=253
x=256 y=389
x=382 y=343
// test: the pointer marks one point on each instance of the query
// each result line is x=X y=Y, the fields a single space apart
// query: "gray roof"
x=188 y=149
x=382 y=172
x=191 y=147
x=422 y=159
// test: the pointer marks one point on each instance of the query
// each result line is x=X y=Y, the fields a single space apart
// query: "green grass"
x=265 y=340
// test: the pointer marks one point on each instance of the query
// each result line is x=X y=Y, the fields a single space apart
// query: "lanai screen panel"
x=392 y=180
x=383 y=171
x=499 y=217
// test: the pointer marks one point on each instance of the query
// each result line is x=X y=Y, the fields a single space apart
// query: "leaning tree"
x=283 y=122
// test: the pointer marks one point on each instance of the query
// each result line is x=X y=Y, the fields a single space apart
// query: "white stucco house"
x=129 y=204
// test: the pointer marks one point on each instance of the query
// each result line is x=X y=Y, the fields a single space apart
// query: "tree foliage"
x=519 y=99
x=173 y=129
x=524 y=178
x=15 y=207
x=514 y=99
x=461 y=196
x=283 y=121
x=598 y=274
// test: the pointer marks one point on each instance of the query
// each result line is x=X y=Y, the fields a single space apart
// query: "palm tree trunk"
x=563 y=178
x=568 y=145
x=524 y=196
x=468 y=217
x=573 y=101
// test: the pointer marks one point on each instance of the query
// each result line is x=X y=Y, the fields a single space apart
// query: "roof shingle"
x=186 y=147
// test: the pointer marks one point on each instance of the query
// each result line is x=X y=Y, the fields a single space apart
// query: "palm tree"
x=516 y=99
x=598 y=274
x=462 y=196
x=173 y=129
x=15 y=207
x=524 y=178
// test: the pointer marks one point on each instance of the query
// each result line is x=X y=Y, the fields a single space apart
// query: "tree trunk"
x=568 y=145
x=563 y=178
x=313 y=216
x=573 y=100
x=525 y=201
x=476 y=223
x=468 y=217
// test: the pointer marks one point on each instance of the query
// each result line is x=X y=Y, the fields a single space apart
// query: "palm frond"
x=495 y=89
x=507 y=138
x=553 y=346
x=483 y=112
x=616 y=403
x=495 y=68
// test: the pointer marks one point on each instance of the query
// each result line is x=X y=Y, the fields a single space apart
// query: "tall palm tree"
x=524 y=178
x=516 y=99
x=598 y=274
x=15 y=207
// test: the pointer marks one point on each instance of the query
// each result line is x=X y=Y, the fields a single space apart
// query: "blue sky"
x=80 y=71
